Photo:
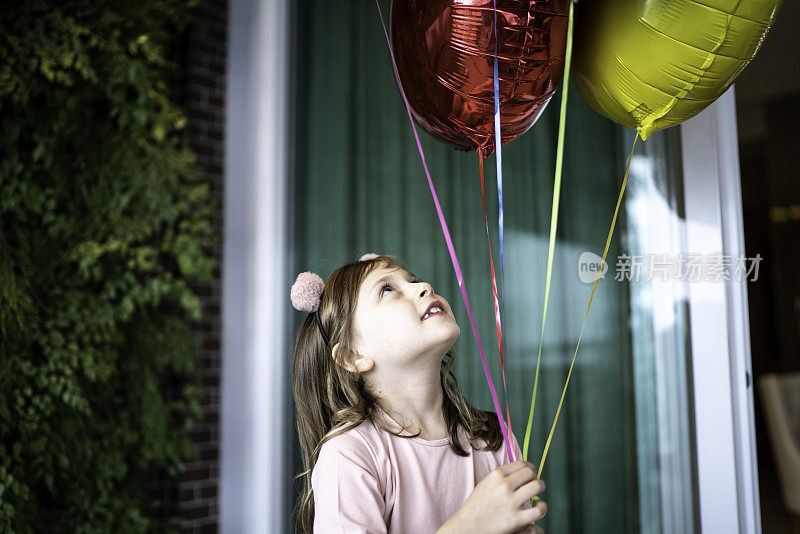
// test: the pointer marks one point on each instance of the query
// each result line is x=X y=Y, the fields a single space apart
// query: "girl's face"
x=395 y=323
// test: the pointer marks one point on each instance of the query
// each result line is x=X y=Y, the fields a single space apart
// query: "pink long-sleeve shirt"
x=368 y=481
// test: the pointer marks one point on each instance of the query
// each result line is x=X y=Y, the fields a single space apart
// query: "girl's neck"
x=417 y=412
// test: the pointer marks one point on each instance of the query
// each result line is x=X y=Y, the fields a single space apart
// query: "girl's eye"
x=387 y=286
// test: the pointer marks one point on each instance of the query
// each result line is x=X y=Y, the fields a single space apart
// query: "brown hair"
x=328 y=397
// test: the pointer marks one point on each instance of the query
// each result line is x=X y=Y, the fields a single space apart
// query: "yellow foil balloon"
x=651 y=64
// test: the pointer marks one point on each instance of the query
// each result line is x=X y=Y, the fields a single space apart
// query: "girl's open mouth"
x=435 y=310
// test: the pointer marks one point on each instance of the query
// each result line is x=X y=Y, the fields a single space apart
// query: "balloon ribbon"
x=451 y=250
x=497 y=321
x=602 y=262
x=553 y=220
x=498 y=156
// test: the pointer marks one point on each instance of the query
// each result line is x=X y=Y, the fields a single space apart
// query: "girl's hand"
x=495 y=506
x=533 y=529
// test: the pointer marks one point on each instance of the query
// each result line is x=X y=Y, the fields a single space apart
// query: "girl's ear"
x=352 y=361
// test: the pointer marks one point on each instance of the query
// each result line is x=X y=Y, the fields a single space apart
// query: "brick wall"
x=198 y=86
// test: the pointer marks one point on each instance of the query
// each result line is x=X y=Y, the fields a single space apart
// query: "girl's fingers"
x=513 y=467
x=523 y=475
x=532 y=529
x=526 y=492
x=534 y=514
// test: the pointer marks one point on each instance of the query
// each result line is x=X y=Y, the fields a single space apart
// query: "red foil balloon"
x=445 y=51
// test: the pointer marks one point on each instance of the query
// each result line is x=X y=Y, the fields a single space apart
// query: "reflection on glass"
x=659 y=336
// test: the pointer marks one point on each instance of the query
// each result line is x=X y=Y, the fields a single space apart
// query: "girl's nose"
x=426 y=289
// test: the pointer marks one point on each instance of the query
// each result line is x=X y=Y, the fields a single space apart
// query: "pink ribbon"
x=451 y=250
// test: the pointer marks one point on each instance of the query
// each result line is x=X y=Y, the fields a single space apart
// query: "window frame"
x=727 y=474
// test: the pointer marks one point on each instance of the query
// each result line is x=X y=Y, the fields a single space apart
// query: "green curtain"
x=359 y=187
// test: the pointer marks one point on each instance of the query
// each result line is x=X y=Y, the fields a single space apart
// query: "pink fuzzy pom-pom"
x=306 y=292
x=368 y=256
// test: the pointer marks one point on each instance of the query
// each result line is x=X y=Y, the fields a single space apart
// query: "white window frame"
x=255 y=293
x=727 y=474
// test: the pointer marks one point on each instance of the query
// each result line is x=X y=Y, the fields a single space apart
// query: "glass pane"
x=660 y=336
x=619 y=458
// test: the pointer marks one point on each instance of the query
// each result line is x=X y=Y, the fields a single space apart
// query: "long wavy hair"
x=330 y=400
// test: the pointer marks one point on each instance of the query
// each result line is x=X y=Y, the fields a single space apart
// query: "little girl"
x=372 y=359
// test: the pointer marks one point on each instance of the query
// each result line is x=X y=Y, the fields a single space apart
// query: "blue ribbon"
x=498 y=159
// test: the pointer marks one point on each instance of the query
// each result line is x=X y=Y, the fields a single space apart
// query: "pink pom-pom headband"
x=306 y=293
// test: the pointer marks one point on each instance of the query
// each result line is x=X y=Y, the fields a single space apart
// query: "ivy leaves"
x=104 y=226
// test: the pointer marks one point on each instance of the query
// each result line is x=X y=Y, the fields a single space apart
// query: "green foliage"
x=103 y=225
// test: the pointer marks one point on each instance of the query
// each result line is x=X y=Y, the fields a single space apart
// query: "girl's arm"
x=347 y=492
